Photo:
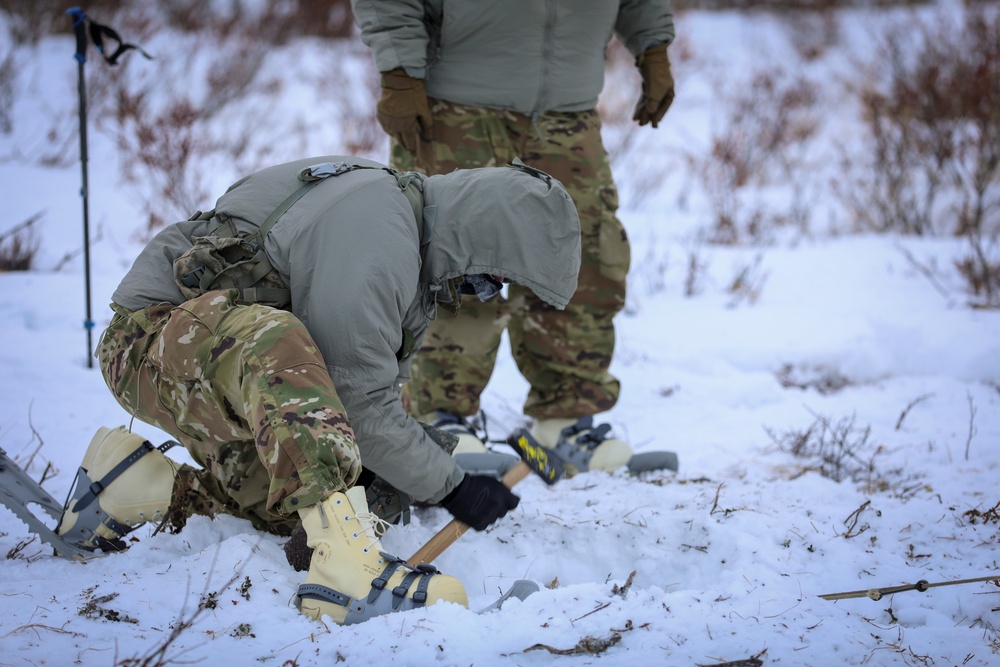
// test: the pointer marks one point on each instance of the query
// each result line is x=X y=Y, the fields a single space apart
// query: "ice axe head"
x=544 y=462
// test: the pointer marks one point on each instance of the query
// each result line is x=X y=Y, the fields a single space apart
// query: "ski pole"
x=79 y=29
x=97 y=34
x=923 y=585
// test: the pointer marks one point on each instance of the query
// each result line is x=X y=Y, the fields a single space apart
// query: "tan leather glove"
x=657 y=86
x=403 y=112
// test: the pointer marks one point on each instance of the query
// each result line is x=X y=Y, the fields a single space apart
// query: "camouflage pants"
x=245 y=390
x=564 y=355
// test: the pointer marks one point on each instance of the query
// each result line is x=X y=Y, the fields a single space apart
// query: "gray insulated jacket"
x=361 y=271
x=530 y=56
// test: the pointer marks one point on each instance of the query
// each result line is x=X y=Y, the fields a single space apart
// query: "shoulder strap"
x=265 y=227
x=409 y=183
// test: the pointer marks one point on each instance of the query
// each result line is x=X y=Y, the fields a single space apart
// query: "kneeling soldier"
x=271 y=336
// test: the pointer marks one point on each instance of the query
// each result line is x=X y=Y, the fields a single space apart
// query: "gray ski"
x=18 y=491
x=648 y=461
x=497 y=464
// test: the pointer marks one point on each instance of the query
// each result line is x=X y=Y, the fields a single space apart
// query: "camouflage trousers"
x=564 y=355
x=245 y=390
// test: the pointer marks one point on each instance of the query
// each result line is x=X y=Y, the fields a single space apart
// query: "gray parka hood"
x=515 y=222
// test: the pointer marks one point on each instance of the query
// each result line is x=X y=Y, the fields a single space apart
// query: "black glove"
x=479 y=500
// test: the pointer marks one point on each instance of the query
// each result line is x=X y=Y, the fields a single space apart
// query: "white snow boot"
x=350 y=578
x=582 y=445
x=123 y=482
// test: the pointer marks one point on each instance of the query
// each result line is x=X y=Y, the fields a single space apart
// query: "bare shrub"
x=30 y=20
x=813 y=33
x=166 y=142
x=274 y=21
x=93 y=607
x=932 y=108
x=224 y=116
x=17 y=551
x=766 y=127
x=788 y=5
x=992 y=515
x=19 y=245
x=822 y=378
x=980 y=267
x=694 y=276
x=842 y=451
x=977 y=81
x=767 y=116
x=748 y=282
x=354 y=114
x=165 y=146
x=8 y=76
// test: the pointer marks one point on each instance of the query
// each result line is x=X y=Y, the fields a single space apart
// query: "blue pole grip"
x=80 y=30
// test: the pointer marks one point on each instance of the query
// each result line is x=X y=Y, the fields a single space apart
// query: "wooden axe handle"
x=455 y=528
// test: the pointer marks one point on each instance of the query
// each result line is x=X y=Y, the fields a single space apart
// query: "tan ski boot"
x=582 y=445
x=123 y=482
x=350 y=578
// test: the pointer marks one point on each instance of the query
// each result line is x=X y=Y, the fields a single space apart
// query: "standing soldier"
x=473 y=84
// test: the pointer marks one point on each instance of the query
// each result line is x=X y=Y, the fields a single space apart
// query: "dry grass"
x=19 y=245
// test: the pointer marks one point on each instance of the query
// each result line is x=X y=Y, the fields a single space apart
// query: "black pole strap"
x=98 y=32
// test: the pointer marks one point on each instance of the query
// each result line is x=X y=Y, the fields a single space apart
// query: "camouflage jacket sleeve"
x=643 y=24
x=395 y=32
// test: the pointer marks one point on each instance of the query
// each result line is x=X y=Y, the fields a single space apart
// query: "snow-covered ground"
x=730 y=556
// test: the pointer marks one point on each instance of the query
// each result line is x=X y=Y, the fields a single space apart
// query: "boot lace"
x=372 y=525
